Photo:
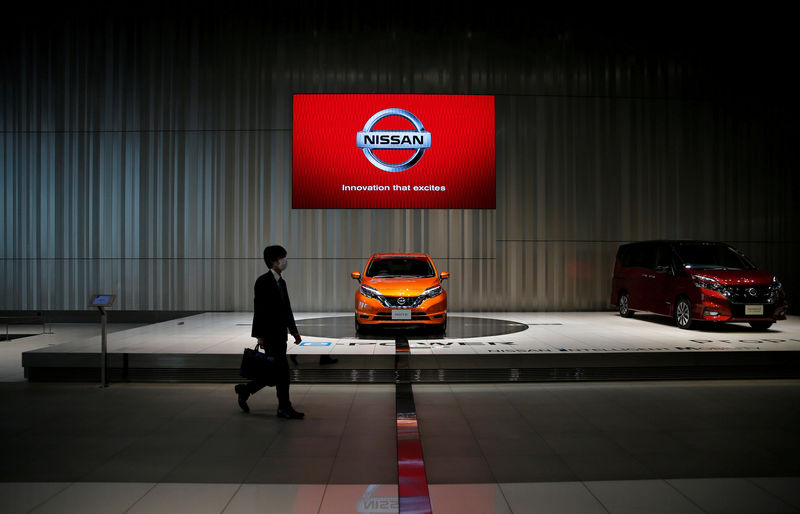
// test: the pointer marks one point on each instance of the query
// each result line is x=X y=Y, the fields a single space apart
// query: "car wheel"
x=358 y=325
x=761 y=325
x=624 y=305
x=683 y=313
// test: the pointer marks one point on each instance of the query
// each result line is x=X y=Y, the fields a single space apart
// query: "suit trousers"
x=278 y=351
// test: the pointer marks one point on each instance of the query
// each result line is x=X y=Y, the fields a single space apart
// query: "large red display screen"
x=393 y=152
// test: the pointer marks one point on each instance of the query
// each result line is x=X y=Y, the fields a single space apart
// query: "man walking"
x=272 y=318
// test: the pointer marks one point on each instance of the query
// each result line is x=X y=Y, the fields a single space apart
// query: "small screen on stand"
x=102 y=300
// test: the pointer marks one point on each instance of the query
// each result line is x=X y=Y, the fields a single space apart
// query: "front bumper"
x=712 y=308
x=432 y=311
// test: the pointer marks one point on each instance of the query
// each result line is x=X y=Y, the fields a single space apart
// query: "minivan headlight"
x=712 y=284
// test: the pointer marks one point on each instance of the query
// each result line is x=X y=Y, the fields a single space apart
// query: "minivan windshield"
x=712 y=257
x=400 y=267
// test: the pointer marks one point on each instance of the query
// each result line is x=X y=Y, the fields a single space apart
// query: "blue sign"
x=317 y=343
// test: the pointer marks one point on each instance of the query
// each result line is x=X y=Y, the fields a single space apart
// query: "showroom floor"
x=677 y=446
x=467 y=334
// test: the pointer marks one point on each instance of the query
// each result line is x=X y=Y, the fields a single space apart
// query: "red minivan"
x=695 y=280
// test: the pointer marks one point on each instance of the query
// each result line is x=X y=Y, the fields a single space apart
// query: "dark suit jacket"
x=272 y=313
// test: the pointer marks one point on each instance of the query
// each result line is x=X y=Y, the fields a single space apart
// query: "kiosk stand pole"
x=103 y=347
x=101 y=301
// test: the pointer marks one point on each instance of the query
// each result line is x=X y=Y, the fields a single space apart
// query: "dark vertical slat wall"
x=152 y=158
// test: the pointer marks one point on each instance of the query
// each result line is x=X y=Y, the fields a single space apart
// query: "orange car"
x=401 y=289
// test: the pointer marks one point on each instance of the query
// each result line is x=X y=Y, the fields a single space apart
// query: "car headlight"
x=432 y=292
x=370 y=292
x=774 y=289
x=712 y=284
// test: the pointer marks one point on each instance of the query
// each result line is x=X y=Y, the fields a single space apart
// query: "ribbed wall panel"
x=153 y=159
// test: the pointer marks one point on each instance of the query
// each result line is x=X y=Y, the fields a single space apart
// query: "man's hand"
x=297 y=339
x=260 y=342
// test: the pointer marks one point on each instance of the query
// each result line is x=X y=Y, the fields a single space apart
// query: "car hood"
x=735 y=277
x=401 y=286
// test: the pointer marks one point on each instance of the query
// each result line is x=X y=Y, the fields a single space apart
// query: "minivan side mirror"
x=356 y=275
x=443 y=275
x=664 y=269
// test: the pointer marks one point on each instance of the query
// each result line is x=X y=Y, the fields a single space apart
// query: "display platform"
x=477 y=347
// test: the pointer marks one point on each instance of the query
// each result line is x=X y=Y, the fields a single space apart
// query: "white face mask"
x=282 y=263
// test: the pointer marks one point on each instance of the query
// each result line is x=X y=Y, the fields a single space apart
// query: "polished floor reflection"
x=711 y=446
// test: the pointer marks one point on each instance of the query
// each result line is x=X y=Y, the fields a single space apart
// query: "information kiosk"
x=103 y=301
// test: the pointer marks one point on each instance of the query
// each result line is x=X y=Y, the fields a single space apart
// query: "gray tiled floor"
x=609 y=431
x=191 y=433
x=603 y=447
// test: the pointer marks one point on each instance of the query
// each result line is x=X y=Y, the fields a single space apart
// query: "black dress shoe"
x=290 y=413
x=327 y=359
x=241 y=391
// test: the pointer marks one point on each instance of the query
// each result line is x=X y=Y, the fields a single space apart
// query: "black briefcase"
x=258 y=366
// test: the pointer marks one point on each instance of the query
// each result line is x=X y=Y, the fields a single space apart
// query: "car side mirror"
x=443 y=275
x=356 y=275
x=664 y=269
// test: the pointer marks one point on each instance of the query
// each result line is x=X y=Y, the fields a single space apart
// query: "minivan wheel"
x=761 y=325
x=683 y=313
x=624 y=306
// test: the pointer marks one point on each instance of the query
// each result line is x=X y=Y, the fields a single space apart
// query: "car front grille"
x=751 y=294
x=402 y=302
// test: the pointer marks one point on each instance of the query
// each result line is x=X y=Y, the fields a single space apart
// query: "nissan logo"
x=401 y=301
x=752 y=291
x=369 y=140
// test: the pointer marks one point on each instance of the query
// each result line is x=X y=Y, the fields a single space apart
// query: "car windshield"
x=400 y=267
x=712 y=257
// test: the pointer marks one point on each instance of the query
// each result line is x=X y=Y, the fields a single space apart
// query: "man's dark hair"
x=273 y=254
